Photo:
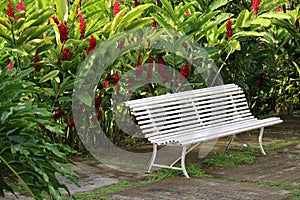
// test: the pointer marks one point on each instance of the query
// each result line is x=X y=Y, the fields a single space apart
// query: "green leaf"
x=276 y=15
x=5 y=36
x=217 y=4
x=234 y=44
x=261 y=22
x=85 y=98
x=247 y=34
x=25 y=72
x=3 y=21
x=5 y=115
x=161 y=21
x=133 y=14
x=117 y=20
x=244 y=19
x=49 y=76
x=169 y=9
x=62 y=10
x=41 y=17
x=33 y=33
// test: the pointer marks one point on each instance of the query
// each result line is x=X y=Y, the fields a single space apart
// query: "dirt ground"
x=268 y=178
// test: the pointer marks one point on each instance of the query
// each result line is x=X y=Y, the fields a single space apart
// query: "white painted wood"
x=195 y=116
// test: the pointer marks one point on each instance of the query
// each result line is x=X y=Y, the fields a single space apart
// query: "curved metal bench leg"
x=229 y=143
x=261 y=133
x=183 y=161
x=153 y=157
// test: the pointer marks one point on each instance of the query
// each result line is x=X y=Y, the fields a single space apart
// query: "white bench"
x=191 y=117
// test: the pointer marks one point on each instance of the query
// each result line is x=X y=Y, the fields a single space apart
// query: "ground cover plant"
x=43 y=43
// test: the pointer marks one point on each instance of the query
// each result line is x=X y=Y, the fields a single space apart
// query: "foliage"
x=230 y=159
x=27 y=155
x=46 y=42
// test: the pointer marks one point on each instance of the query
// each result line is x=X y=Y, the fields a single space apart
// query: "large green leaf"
x=62 y=10
x=275 y=15
x=244 y=19
x=217 y=4
x=261 y=22
x=49 y=76
x=168 y=7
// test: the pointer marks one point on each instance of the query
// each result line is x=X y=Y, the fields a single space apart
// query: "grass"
x=230 y=159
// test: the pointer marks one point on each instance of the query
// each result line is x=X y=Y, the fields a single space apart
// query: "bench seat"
x=195 y=116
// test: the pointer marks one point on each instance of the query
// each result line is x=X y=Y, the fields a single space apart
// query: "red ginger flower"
x=138 y=67
x=63 y=31
x=116 y=7
x=154 y=23
x=10 y=10
x=255 y=6
x=229 y=27
x=184 y=72
x=98 y=101
x=20 y=6
x=136 y=3
x=187 y=13
x=82 y=26
x=106 y=84
x=116 y=79
x=162 y=70
x=37 y=59
x=92 y=45
x=278 y=9
x=55 y=19
x=149 y=70
x=10 y=66
x=66 y=54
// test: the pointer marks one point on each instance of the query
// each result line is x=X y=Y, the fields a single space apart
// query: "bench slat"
x=163 y=98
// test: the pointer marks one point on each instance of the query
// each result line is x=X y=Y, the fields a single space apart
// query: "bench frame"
x=142 y=105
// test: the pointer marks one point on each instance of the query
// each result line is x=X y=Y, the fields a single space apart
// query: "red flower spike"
x=184 y=72
x=255 y=6
x=92 y=45
x=116 y=7
x=228 y=27
x=63 y=31
x=55 y=19
x=66 y=54
x=98 y=101
x=37 y=59
x=10 y=10
x=138 y=68
x=106 y=84
x=136 y=3
x=130 y=83
x=79 y=4
x=149 y=70
x=162 y=70
x=71 y=124
x=121 y=44
x=116 y=79
x=10 y=66
x=187 y=13
x=20 y=6
x=278 y=9
x=99 y=113
x=82 y=26
x=154 y=23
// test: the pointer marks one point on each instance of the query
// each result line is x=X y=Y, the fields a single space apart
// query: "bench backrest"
x=190 y=110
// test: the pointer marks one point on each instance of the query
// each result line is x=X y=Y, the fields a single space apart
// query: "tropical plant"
x=28 y=157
